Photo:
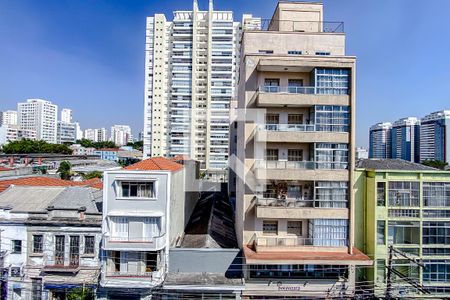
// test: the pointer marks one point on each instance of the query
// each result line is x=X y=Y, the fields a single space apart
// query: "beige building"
x=295 y=156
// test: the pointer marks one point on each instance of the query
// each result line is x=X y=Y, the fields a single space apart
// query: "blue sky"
x=88 y=55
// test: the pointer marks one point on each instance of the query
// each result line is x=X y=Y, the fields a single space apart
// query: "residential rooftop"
x=42 y=181
x=392 y=164
x=211 y=224
x=155 y=164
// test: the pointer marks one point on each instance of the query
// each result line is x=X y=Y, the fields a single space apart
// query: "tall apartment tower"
x=435 y=136
x=405 y=139
x=41 y=116
x=189 y=82
x=295 y=156
x=8 y=117
x=121 y=134
x=66 y=115
x=380 y=140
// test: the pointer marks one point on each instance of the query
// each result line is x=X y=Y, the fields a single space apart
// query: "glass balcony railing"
x=302 y=165
x=306 y=90
x=288 y=127
x=300 y=202
x=299 y=241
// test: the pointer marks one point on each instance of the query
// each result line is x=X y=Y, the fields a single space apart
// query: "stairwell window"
x=138 y=189
x=294 y=52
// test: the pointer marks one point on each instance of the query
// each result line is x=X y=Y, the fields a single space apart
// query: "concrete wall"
x=185 y=260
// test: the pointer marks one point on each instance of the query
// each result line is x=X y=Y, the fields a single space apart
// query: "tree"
x=31 y=146
x=139 y=145
x=97 y=145
x=80 y=294
x=93 y=174
x=64 y=170
x=435 y=164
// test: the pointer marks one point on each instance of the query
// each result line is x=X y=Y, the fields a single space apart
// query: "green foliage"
x=64 y=170
x=94 y=174
x=97 y=145
x=80 y=294
x=30 y=146
x=139 y=145
x=435 y=164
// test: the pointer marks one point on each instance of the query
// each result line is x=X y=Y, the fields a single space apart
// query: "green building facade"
x=406 y=205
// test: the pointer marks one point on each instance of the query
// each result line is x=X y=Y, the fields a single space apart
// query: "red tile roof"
x=180 y=157
x=48 y=181
x=5 y=169
x=108 y=149
x=307 y=257
x=155 y=164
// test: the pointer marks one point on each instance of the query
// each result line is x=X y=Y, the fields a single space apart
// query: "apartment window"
x=89 y=244
x=294 y=52
x=403 y=193
x=272 y=121
x=38 y=243
x=436 y=271
x=436 y=233
x=403 y=232
x=328 y=232
x=436 y=194
x=381 y=193
x=322 y=53
x=331 y=118
x=294 y=227
x=266 y=51
x=381 y=240
x=74 y=250
x=295 y=119
x=60 y=241
x=138 y=189
x=271 y=85
x=331 y=194
x=270 y=227
x=332 y=81
x=151 y=260
x=271 y=154
x=295 y=154
x=331 y=156
x=116 y=260
x=16 y=246
x=295 y=86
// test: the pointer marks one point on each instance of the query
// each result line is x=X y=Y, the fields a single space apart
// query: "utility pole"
x=391 y=270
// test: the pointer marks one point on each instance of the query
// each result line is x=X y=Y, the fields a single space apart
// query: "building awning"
x=51 y=286
x=306 y=257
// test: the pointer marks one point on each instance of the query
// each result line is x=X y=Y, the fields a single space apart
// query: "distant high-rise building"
x=66 y=115
x=120 y=134
x=380 y=140
x=361 y=153
x=405 y=139
x=39 y=115
x=435 y=136
x=190 y=74
x=79 y=132
x=95 y=135
x=8 y=117
x=66 y=133
x=11 y=133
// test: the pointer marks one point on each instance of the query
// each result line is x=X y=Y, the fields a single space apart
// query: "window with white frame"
x=138 y=189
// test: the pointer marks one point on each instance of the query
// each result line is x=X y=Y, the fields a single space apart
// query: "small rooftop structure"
x=211 y=224
x=392 y=164
x=155 y=164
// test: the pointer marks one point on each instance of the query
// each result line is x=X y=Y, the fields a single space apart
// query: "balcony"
x=295 y=243
x=299 y=26
x=134 y=243
x=299 y=96
x=295 y=208
x=135 y=278
x=300 y=170
x=298 y=133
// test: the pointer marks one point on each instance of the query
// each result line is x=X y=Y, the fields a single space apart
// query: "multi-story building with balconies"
x=380 y=140
x=407 y=206
x=295 y=156
x=190 y=72
x=146 y=208
x=39 y=115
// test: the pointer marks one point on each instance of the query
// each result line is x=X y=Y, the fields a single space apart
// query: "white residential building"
x=190 y=74
x=66 y=115
x=66 y=132
x=11 y=133
x=361 y=153
x=121 y=134
x=79 y=132
x=39 y=115
x=95 y=135
x=145 y=211
x=80 y=150
x=8 y=117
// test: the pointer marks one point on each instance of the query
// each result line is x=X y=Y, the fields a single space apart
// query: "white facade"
x=41 y=116
x=79 y=132
x=8 y=117
x=361 y=153
x=190 y=74
x=11 y=133
x=121 y=134
x=95 y=135
x=66 y=115
x=80 y=150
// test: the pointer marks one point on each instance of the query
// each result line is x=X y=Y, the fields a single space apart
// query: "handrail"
x=299 y=26
x=304 y=165
x=294 y=241
x=288 y=127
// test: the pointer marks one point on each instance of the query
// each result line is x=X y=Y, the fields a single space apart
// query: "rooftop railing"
x=303 y=165
x=305 y=90
x=298 y=26
x=288 y=127
x=299 y=241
